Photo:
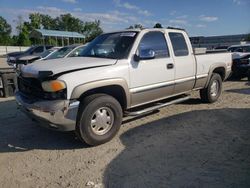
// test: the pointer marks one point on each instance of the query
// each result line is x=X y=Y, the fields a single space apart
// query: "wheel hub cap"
x=102 y=121
x=214 y=88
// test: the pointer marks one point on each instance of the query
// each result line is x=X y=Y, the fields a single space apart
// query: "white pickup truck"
x=126 y=73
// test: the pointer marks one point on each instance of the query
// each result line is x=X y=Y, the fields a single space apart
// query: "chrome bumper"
x=58 y=114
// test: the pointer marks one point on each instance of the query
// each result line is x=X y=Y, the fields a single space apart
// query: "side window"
x=179 y=44
x=38 y=50
x=154 y=41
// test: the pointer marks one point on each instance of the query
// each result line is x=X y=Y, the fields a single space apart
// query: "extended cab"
x=124 y=73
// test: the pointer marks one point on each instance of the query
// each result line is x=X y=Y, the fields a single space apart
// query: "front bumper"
x=58 y=114
x=11 y=61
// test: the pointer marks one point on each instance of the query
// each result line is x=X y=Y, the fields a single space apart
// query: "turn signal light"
x=53 y=86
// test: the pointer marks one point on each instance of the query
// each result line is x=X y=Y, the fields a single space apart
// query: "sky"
x=198 y=17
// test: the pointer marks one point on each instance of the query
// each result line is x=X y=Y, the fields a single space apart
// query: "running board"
x=158 y=106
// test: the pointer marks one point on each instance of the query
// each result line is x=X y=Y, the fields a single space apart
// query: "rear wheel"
x=99 y=119
x=213 y=91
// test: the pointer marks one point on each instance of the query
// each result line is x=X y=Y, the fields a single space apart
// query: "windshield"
x=46 y=53
x=76 y=52
x=245 y=49
x=112 y=45
x=29 y=50
x=61 y=52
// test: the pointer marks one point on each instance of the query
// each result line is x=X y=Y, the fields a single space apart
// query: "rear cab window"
x=179 y=44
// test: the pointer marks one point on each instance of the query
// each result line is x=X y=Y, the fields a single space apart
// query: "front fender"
x=81 y=89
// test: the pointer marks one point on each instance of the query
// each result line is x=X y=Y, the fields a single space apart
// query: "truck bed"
x=208 y=60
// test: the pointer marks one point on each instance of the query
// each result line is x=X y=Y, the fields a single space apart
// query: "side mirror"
x=144 y=55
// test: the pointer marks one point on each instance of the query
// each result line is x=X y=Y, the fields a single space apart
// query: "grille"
x=31 y=87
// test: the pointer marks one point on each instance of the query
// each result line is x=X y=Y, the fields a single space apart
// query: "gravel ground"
x=3 y=63
x=185 y=145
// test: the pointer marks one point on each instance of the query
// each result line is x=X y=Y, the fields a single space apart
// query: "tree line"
x=64 y=22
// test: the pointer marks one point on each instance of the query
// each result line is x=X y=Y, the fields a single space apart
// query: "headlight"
x=53 y=86
x=12 y=58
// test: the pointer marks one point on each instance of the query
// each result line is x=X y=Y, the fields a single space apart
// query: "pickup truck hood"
x=15 y=54
x=56 y=66
x=28 y=57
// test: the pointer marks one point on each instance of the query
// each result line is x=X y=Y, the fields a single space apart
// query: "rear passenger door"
x=152 y=79
x=184 y=62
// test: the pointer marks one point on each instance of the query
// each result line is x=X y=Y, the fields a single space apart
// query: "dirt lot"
x=3 y=63
x=185 y=145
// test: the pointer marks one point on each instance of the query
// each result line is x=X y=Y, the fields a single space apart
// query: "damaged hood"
x=58 y=66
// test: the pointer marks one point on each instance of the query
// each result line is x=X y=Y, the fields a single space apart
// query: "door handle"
x=170 y=66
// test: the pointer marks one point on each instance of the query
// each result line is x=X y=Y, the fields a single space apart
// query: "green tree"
x=23 y=38
x=48 y=22
x=66 y=22
x=158 y=25
x=91 y=30
x=23 y=32
x=5 y=31
x=35 y=20
x=14 y=40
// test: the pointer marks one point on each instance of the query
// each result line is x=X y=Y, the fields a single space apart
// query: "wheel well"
x=115 y=91
x=221 y=71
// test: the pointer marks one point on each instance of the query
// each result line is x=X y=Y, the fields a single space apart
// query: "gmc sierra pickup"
x=126 y=73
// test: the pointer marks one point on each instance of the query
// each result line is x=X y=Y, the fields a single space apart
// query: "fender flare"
x=81 y=89
x=212 y=68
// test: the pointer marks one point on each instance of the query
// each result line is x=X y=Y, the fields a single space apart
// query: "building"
x=217 y=41
x=62 y=36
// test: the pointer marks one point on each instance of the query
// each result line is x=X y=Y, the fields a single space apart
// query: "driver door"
x=152 y=79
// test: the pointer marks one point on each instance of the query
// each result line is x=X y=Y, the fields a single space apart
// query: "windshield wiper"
x=99 y=56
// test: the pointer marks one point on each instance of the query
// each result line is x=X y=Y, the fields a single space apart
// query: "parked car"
x=221 y=48
x=240 y=48
x=126 y=73
x=248 y=72
x=67 y=51
x=31 y=58
x=240 y=67
x=33 y=50
x=25 y=60
x=239 y=51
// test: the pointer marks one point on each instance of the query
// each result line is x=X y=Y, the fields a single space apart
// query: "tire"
x=1 y=93
x=94 y=111
x=213 y=90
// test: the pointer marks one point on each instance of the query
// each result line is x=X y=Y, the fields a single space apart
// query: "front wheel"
x=99 y=119
x=212 y=92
